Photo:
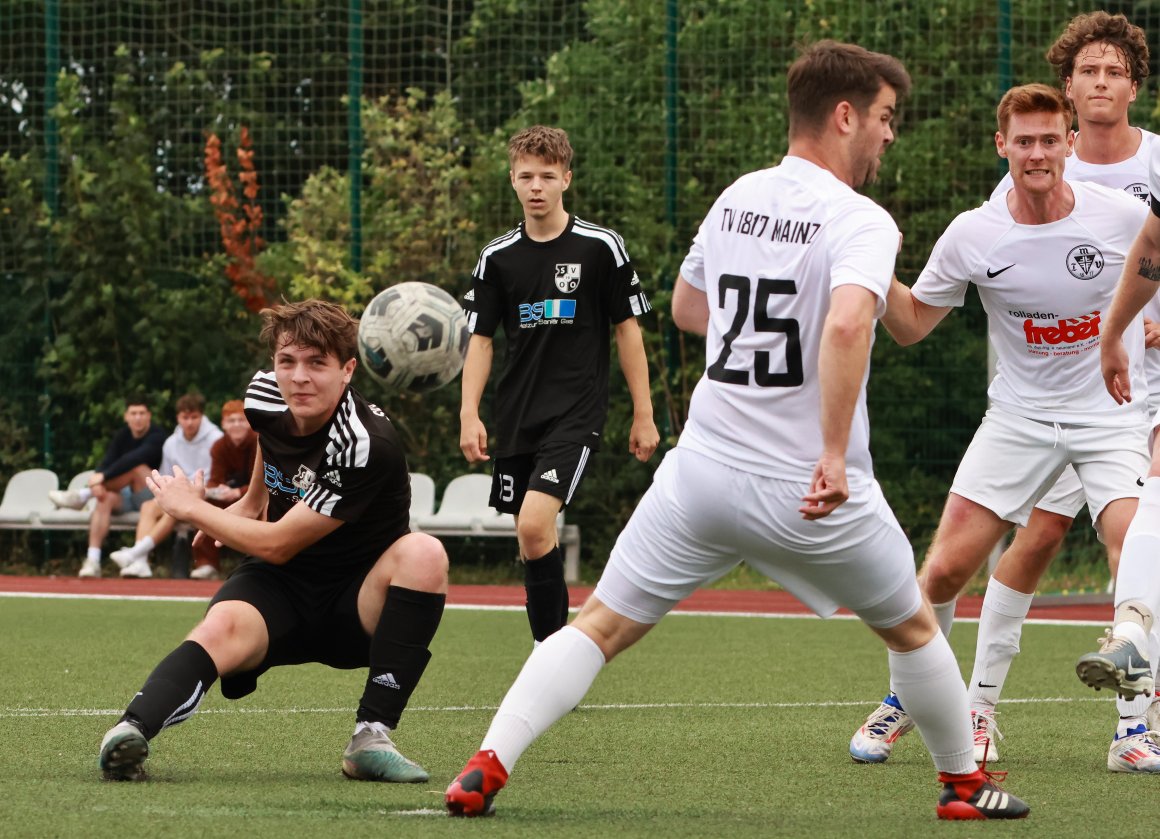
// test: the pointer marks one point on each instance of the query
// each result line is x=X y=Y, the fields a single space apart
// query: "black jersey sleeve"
x=364 y=467
x=485 y=307
x=626 y=295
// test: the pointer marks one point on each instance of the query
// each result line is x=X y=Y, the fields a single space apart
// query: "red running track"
x=709 y=600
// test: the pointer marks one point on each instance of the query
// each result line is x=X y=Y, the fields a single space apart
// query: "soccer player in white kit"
x=786 y=276
x=1100 y=59
x=1045 y=257
x=1121 y=663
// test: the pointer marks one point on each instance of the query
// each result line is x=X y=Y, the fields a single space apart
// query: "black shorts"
x=309 y=618
x=556 y=469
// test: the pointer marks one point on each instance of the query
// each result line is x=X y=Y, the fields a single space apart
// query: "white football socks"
x=552 y=682
x=944 y=613
x=931 y=690
x=1000 y=627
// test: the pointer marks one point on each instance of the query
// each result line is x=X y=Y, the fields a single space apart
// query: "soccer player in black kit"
x=555 y=283
x=333 y=574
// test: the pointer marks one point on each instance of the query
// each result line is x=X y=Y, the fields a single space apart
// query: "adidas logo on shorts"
x=550 y=475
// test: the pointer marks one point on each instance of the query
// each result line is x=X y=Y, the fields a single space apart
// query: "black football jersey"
x=556 y=301
x=353 y=469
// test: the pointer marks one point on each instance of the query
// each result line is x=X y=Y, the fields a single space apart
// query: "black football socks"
x=547 y=592
x=173 y=690
x=399 y=653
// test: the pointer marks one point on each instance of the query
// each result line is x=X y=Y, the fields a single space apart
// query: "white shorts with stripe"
x=701 y=518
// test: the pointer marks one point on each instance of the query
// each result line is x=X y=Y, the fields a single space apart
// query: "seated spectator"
x=188 y=447
x=118 y=483
x=232 y=459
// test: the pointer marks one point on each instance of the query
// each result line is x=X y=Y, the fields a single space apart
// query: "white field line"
x=520 y=609
x=12 y=713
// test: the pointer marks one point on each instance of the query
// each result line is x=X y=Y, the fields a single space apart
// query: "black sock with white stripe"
x=399 y=653
x=173 y=690
x=547 y=592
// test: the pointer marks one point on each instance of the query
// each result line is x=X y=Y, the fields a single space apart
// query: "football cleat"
x=1135 y=751
x=976 y=797
x=985 y=731
x=874 y=741
x=371 y=755
x=123 y=752
x=473 y=792
x=1117 y=665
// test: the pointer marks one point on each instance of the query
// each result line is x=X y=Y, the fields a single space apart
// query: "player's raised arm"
x=1137 y=285
x=476 y=369
x=908 y=319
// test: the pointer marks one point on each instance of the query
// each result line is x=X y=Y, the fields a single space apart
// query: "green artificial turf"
x=712 y=727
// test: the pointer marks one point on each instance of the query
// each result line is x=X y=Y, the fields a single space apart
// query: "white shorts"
x=1066 y=496
x=701 y=518
x=1013 y=461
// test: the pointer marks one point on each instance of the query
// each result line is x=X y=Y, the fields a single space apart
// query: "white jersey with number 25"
x=773 y=247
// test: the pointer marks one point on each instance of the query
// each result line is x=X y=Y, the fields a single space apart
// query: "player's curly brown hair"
x=549 y=144
x=1088 y=28
x=318 y=324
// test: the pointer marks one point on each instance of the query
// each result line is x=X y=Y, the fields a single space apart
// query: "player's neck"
x=1041 y=208
x=548 y=227
x=1104 y=143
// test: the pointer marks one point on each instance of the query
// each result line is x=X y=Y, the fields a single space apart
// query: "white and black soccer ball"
x=413 y=336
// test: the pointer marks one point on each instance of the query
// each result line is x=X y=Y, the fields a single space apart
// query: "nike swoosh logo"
x=1136 y=671
x=980 y=684
x=993 y=274
x=1139 y=482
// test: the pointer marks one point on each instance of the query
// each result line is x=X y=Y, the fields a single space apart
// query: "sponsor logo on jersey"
x=304 y=480
x=547 y=310
x=567 y=276
x=1064 y=330
x=333 y=477
x=276 y=481
x=550 y=475
x=1138 y=191
x=1085 y=262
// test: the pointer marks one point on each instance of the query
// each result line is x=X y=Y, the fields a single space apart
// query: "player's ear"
x=567 y=179
x=348 y=369
x=1000 y=144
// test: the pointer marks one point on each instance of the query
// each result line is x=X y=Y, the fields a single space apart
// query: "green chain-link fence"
x=371 y=137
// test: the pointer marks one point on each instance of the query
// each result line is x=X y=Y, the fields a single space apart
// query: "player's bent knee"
x=418 y=561
x=234 y=634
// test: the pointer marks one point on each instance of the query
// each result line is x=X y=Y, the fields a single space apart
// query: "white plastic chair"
x=26 y=496
x=422 y=497
x=464 y=505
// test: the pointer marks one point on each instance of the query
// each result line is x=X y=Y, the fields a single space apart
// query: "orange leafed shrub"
x=239 y=222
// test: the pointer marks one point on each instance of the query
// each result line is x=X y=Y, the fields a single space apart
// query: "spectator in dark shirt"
x=118 y=482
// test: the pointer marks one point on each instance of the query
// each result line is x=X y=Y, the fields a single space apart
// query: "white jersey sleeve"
x=769 y=253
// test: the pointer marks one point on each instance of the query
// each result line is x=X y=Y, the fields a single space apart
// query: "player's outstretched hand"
x=473 y=441
x=177 y=493
x=1114 y=366
x=828 y=489
x=643 y=439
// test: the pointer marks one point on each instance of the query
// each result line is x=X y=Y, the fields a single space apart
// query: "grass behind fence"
x=713 y=726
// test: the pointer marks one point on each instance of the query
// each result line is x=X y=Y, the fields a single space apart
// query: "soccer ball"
x=413 y=336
